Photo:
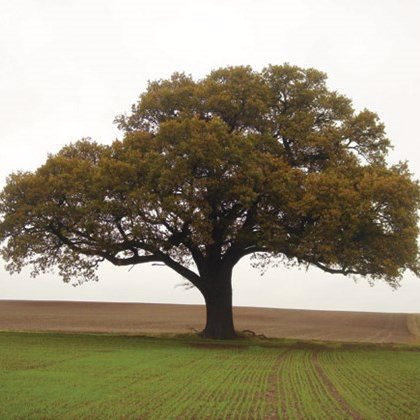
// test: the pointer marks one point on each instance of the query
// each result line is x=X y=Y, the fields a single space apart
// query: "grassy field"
x=105 y=376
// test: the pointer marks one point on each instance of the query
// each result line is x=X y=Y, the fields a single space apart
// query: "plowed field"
x=146 y=318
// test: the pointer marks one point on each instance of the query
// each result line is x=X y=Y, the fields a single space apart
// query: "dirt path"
x=138 y=318
x=272 y=396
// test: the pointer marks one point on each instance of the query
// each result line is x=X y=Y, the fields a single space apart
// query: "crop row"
x=53 y=376
x=302 y=393
x=162 y=381
x=379 y=384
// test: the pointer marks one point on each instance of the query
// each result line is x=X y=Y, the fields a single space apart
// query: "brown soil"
x=150 y=318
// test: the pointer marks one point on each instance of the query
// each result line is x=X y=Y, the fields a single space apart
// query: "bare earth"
x=147 y=318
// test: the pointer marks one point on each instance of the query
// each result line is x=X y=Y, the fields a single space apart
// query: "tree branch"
x=194 y=278
x=135 y=259
x=156 y=256
x=343 y=271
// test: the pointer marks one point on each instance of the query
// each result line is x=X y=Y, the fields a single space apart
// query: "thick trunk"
x=218 y=298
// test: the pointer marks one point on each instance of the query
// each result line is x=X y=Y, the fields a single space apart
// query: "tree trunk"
x=218 y=298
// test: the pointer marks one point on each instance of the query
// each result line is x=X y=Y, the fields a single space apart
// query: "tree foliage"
x=209 y=171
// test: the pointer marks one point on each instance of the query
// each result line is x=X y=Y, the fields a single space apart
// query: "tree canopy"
x=241 y=162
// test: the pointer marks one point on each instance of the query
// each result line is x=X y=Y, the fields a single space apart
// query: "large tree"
x=270 y=163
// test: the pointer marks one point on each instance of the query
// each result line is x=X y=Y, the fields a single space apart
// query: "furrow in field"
x=121 y=377
x=332 y=389
x=273 y=397
x=357 y=386
x=374 y=383
x=349 y=386
x=302 y=392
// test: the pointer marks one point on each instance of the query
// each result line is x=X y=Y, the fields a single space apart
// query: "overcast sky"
x=69 y=67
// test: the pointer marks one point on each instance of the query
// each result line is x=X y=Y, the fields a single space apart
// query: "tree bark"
x=218 y=297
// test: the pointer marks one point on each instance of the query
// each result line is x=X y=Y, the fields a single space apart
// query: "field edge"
x=241 y=341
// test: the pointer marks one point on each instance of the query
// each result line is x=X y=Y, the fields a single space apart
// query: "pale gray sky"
x=67 y=68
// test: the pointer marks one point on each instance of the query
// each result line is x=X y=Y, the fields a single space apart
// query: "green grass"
x=104 y=376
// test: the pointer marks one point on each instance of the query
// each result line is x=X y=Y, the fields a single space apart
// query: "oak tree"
x=208 y=171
